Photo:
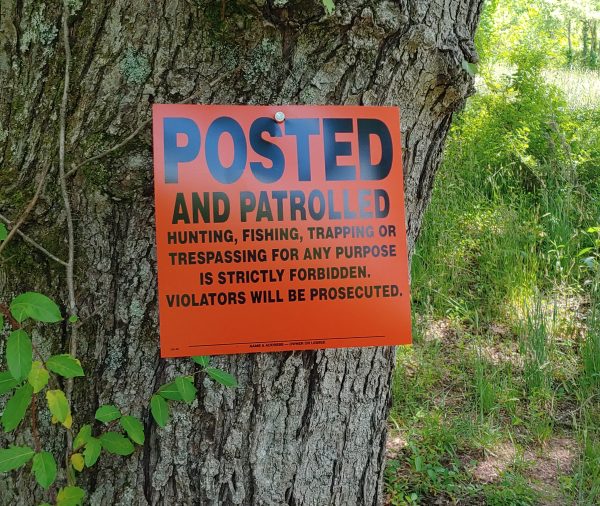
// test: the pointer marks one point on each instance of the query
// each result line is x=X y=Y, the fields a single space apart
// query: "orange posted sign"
x=279 y=228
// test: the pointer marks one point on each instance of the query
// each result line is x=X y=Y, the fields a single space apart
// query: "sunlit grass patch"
x=581 y=87
x=507 y=322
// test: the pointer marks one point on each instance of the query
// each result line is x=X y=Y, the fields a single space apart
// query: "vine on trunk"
x=26 y=379
x=30 y=374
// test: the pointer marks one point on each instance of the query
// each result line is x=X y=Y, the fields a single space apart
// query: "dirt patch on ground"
x=495 y=463
x=548 y=464
x=501 y=353
x=544 y=466
x=553 y=460
x=394 y=445
x=445 y=331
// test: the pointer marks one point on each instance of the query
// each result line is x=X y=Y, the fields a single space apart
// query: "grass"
x=498 y=400
x=581 y=87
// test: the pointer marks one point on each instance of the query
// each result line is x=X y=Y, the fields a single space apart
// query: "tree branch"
x=28 y=209
x=33 y=243
x=67 y=204
x=34 y=429
x=146 y=122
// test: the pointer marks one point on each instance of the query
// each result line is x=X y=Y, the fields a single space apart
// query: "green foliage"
x=485 y=388
x=44 y=469
x=505 y=278
x=170 y=391
x=134 y=429
x=14 y=457
x=116 y=443
x=87 y=448
x=329 y=6
x=222 y=377
x=70 y=496
x=590 y=349
x=65 y=365
x=38 y=376
x=19 y=354
x=59 y=407
x=83 y=436
x=3 y=232
x=7 y=382
x=535 y=348
x=16 y=407
x=93 y=447
x=77 y=462
x=513 y=490
x=202 y=361
x=107 y=413
x=35 y=306
x=185 y=388
x=160 y=410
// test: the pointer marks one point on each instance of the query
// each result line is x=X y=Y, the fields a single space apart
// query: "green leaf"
x=116 y=443
x=58 y=405
x=470 y=68
x=73 y=318
x=16 y=407
x=418 y=463
x=65 y=365
x=203 y=361
x=19 y=354
x=169 y=391
x=77 y=461
x=7 y=382
x=70 y=496
x=14 y=457
x=107 y=413
x=3 y=232
x=83 y=436
x=36 y=306
x=186 y=388
x=134 y=429
x=44 y=469
x=93 y=447
x=160 y=410
x=222 y=377
x=38 y=376
x=584 y=251
x=329 y=6
x=1 y=321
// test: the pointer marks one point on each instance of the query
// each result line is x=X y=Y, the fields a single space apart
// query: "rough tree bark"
x=303 y=428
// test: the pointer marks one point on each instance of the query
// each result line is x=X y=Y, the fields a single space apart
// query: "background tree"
x=302 y=428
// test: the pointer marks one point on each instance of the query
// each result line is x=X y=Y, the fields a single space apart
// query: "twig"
x=83 y=321
x=67 y=204
x=108 y=151
x=144 y=124
x=38 y=353
x=34 y=430
x=30 y=206
x=15 y=325
x=33 y=243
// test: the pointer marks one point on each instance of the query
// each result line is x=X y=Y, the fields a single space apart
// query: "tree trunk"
x=303 y=428
x=593 y=43
x=570 y=43
x=585 y=38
